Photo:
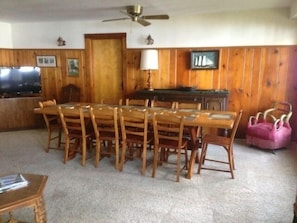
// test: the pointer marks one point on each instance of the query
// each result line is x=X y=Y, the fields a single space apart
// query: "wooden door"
x=105 y=61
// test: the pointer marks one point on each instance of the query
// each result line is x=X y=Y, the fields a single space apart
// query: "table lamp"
x=149 y=61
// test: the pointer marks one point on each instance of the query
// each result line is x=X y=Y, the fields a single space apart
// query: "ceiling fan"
x=134 y=12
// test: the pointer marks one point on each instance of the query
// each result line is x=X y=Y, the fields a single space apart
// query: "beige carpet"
x=263 y=190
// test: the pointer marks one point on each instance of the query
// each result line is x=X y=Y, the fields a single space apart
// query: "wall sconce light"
x=149 y=61
x=149 y=40
x=61 y=42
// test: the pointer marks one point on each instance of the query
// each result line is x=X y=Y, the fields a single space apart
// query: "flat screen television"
x=18 y=81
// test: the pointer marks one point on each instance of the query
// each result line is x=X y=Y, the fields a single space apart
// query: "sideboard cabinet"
x=210 y=99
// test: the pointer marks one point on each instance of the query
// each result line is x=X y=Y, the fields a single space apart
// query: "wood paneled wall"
x=52 y=78
x=255 y=76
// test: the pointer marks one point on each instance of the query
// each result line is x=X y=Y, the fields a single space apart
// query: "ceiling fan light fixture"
x=134 y=12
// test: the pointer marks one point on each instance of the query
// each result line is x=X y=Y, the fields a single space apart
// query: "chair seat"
x=137 y=139
x=266 y=131
x=217 y=140
x=172 y=143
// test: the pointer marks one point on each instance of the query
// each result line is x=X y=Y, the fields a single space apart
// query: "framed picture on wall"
x=46 y=61
x=205 y=59
x=72 y=67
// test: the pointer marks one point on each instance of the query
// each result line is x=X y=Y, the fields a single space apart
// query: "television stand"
x=17 y=113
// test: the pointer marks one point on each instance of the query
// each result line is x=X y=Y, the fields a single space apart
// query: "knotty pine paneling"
x=52 y=78
x=255 y=76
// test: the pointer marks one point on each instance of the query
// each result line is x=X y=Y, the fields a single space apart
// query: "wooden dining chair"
x=110 y=101
x=223 y=141
x=168 y=139
x=70 y=93
x=75 y=129
x=135 y=136
x=53 y=125
x=195 y=142
x=106 y=130
x=163 y=104
x=137 y=102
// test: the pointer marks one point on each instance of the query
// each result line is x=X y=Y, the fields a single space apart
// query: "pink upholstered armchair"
x=270 y=129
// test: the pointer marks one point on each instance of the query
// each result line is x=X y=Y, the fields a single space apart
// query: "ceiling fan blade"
x=142 y=21
x=127 y=14
x=155 y=17
x=110 y=20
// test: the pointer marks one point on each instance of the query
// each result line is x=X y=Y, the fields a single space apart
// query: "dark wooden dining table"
x=193 y=119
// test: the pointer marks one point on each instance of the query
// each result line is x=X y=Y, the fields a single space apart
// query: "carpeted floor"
x=263 y=190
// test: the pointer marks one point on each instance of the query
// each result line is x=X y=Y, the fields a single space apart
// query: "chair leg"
x=230 y=158
x=84 y=152
x=202 y=157
x=49 y=136
x=155 y=163
x=117 y=152
x=60 y=138
x=98 y=151
x=123 y=157
x=178 y=165
x=186 y=158
x=143 y=168
x=66 y=152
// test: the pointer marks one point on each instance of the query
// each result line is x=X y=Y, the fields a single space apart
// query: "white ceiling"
x=15 y=11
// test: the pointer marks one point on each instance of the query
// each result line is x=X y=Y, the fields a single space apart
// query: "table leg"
x=40 y=212
x=191 y=163
x=194 y=131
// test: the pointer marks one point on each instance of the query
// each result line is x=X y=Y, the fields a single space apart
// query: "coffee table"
x=30 y=196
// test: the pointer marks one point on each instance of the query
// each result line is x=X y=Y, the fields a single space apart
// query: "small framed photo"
x=205 y=59
x=73 y=67
x=46 y=61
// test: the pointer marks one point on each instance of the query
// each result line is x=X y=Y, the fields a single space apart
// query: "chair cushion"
x=266 y=131
x=265 y=135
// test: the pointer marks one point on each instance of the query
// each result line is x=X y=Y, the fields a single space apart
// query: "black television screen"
x=20 y=80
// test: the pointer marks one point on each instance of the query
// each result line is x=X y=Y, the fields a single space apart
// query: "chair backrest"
x=47 y=103
x=235 y=125
x=137 y=102
x=105 y=122
x=134 y=124
x=73 y=121
x=280 y=110
x=181 y=105
x=110 y=102
x=168 y=129
x=49 y=119
x=163 y=104
x=70 y=93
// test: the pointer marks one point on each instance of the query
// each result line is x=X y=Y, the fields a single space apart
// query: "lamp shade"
x=149 y=60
